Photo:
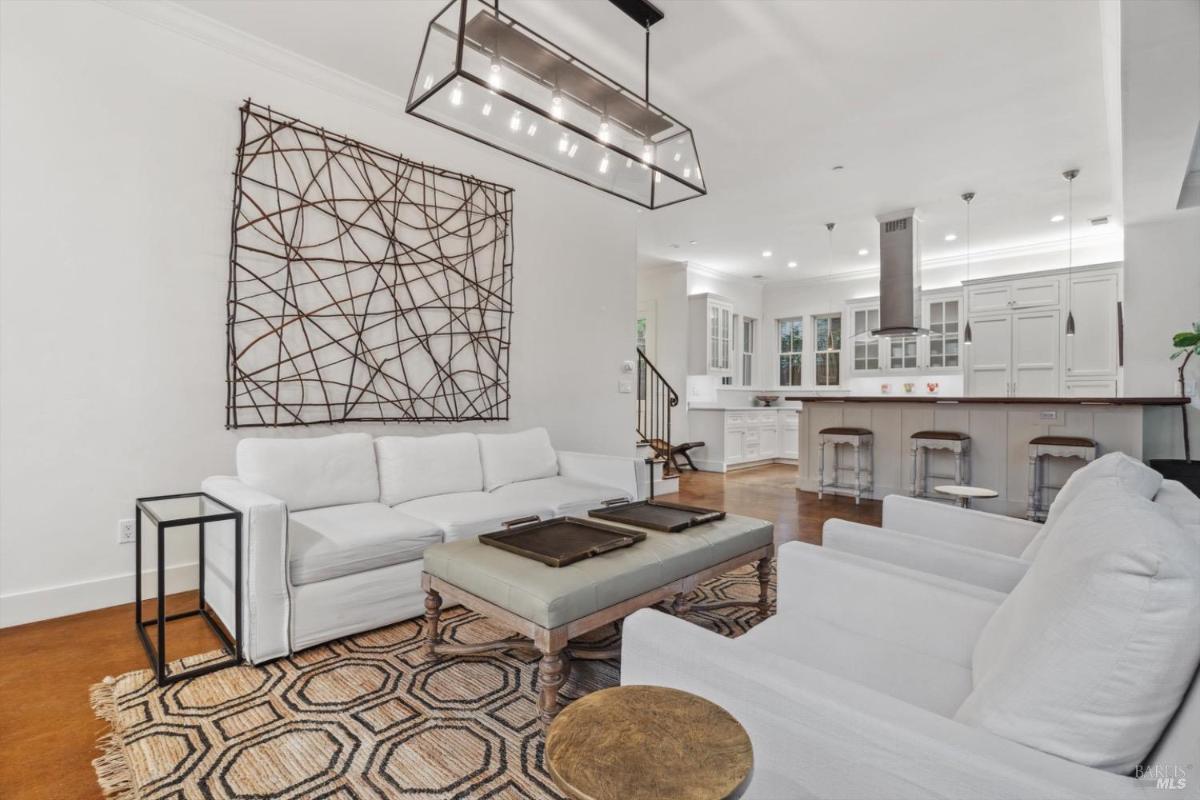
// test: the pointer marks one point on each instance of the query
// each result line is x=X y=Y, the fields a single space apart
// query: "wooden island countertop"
x=1037 y=401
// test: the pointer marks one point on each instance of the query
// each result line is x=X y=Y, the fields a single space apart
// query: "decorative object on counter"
x=964 y=494
x=647 y=743
x=857 y=438
x=655 y=515
x=932 y=387
x=363 y=286
x=967 y=198
x=885 y=388
x=1043 y=447
x=484 y=75
x=187 y=510
x=1186 y=471
x=908 y=388
x=560 y=541
x=922 y=442
x=1070 y=176
x=767 y=400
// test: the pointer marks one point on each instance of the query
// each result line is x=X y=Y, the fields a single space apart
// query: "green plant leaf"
x=1186 y=339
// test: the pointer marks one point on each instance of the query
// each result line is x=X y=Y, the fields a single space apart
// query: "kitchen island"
x=1000 y=429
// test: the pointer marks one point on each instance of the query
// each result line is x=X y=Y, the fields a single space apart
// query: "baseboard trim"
x=19 y=608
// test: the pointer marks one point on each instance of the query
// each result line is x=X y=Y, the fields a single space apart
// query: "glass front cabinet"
x=711 y=335
x=940 y=351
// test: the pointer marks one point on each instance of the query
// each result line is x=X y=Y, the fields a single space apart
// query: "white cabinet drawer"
x=735 y=419
x=988 y=298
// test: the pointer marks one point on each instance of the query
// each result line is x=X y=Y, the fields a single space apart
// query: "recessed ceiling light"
x=1057 y=218
x=863 y=252
x=766 y=253
x=693 y=241
x=950 y=237
x=791 y=265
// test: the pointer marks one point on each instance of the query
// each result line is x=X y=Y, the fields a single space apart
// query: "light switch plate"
x=1048 y=416
x=625 y=387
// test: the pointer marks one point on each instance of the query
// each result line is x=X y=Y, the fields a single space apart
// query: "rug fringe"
x=112 y=770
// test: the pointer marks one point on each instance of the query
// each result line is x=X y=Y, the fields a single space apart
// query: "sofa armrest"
x=619 y=472
x=266 y=606
x=1008 y=536
x=968 y=564
x=818 y=735
x=929 y=613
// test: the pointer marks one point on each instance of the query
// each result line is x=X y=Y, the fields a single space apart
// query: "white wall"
x=664 y=288
x=118 y=139
x=1162 y=297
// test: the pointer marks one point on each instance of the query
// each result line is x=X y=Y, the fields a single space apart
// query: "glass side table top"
x=192 y=506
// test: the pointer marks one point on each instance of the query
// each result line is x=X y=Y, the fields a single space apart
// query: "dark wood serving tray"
x=656 y=515
x=560 y=541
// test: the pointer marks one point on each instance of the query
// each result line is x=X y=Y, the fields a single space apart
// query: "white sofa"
x=334 y=527
x=992 y=550
x=875 y=680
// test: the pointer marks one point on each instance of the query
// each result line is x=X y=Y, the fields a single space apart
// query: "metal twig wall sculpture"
x=362 y=286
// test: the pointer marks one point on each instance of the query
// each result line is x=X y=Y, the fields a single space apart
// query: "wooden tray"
x=656 y=515
x=560 y=541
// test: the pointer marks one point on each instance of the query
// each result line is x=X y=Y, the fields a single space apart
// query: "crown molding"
x=721 y=275
x=234 y=41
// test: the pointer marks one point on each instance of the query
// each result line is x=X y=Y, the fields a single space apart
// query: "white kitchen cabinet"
x=989 y=358
x=789 y=434
x=1092 y=351
x=991 y=297
x=710 y=335
x=1037 y=292
x=1092 y=387
x=739 y=437
x=1035 y=348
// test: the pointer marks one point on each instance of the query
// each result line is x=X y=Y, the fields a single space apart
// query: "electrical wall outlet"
x=125 y=531
x=1048 y=416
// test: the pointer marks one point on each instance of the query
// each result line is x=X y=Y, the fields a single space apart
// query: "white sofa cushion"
x=465 y=514
x=422 y=466
x=311 y=472
x=1091 y=653
x=898 y=670
x=511 y=457
x=330 y=542
x=1181 y=504
x=564 y=496
x=1131 y=474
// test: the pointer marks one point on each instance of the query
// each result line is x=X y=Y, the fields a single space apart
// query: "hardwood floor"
x=47 y=729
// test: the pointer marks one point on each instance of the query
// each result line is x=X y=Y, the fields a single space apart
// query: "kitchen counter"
x=1012 y=401
x=1000 y=429
x=742 y=408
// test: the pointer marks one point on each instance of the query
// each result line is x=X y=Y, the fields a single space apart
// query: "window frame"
x=795 y=357
x=749 y=334
x=828 y=352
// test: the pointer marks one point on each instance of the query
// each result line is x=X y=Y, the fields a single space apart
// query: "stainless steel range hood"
x=899 y=275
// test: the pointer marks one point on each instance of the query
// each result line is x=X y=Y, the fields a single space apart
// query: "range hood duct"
x=899 y=275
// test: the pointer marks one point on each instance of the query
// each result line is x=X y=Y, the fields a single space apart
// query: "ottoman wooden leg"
x=433 y=611
x=552 y=674
x=764 y=586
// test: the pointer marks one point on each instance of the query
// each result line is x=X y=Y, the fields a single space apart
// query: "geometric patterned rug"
x=368 y=716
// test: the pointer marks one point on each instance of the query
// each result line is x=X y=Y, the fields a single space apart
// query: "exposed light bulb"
x=574 y=149
x=687 y=172
x=647 y=153
x=514 y=122
x=456 y=95
x=603 y=165
x=678 y=156
x=556 y=105
x=657 y=176
x=628 y=163
x=428 y=83
x=603 y=133
x=486 y=110
x=494 y=77
x=563 y=143
x=532 y=129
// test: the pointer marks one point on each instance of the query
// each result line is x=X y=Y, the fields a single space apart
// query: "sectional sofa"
x=335 y=526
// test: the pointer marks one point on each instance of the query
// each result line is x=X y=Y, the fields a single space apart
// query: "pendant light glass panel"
x=486 y=76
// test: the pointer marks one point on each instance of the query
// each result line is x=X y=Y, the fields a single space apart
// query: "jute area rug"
x=368 y=716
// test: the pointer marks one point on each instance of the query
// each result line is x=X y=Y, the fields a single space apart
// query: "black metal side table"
x=176 y=511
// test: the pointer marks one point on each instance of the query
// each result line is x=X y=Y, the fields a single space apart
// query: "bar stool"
x=858 y=438
x=1043 y=447
x=922 y=442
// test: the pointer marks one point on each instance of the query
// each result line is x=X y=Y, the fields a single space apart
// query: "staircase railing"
x=655 y=399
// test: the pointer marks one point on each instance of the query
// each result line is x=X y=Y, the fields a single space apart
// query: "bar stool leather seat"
x=846 y=431
x=1064 y=441
x=948 y=435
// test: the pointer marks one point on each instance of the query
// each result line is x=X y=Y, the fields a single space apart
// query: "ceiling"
x=918 y=101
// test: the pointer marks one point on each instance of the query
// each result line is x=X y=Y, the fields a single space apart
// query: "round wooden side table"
x=648 y=743
x=963 y=494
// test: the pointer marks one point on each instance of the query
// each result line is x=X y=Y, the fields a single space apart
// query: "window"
x=827 y=331
x=943 y=333
x=747 y=351
x=902 y=352
x=866 y=346
x=791 y=346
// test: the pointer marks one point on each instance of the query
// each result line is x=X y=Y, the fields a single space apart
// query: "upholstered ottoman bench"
x=548 y=606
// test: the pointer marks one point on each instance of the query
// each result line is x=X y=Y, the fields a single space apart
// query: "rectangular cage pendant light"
x=487 y=76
